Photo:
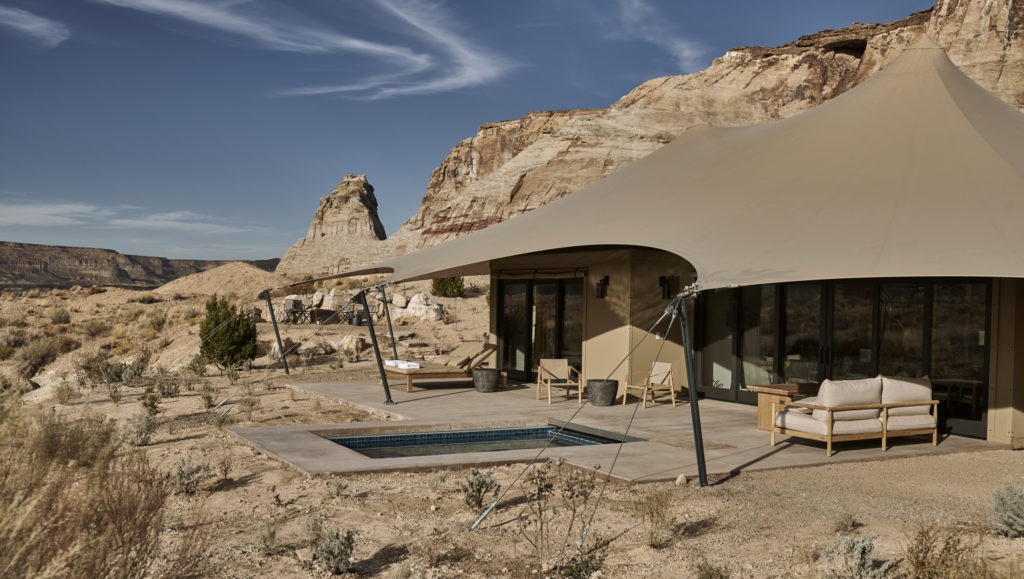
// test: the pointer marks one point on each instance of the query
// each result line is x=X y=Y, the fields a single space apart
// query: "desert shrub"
x=313 y=529
x=74 y=510
x=940 y=553
x=268 y=539
x=653 y=509
x=188 y=476
x=477 y=486
x=60 y=316
x=207 y=393
x=197 y=365
x=99 y=369
x=139 y=429
x=6 y=352
x=1008 y=510
x=438 y=480
x=96 y=328
x=150 y=401
x=93 y=290
x=333 y=551
x=233 y=373
x=843 y=523
x=228 y=337
x=38 y=354
x=851 y=558
x=8 y=384
x=65 y=392
x=224 y=468
x=448 y=287
x=168 y=388
x=554 y=509
x=146 y=298
x=704 y=569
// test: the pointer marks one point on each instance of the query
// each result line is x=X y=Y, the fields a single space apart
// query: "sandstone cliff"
x=26 y=265
x=345 y=228
x=511 y=167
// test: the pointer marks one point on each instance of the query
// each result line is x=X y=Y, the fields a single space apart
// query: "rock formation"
x=345 y=228
x=27 y=265
x=512 y=167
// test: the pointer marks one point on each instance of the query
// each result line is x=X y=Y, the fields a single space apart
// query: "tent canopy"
x=916 y=172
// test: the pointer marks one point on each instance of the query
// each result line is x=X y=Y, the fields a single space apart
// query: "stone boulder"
x=318 y=299
x=420 y=308
x=319 y=348
x=399 y=300
x=290 y=346
x=350 y=344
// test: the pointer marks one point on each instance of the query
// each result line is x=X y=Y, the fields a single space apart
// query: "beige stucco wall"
x=1006 y=368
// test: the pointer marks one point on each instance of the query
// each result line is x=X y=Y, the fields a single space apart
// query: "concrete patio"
x=732 y=443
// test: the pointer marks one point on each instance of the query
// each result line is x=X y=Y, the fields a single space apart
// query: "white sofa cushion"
x=807 y=423
x=906 y=390
x=808 y=400
x=909 y=422
x=845 y=392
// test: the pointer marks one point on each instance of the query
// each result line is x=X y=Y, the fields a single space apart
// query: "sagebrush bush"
x=334 y=550
x=843 y=523
x=65 y=392
x=146 y=298
x=448 y=287
x=197 y=365
x=168 y=388
x=96 y=328
x=60 y=316
x=6 y=352
x=654 y=510
x=150 y=401
x=139 y=429
x=188 y=475
x=851 y=557
x=229 y=337
x=704 y=569
x=940 y=553
x=42 y=352
x=1008 y=510
x=477 y=486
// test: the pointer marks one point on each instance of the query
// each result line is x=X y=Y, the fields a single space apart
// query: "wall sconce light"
x=602 y=287
x=666 y=287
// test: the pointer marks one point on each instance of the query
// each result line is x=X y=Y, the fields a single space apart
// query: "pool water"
x=461 y=441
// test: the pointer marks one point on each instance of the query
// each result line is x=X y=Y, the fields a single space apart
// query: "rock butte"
x=511 y=167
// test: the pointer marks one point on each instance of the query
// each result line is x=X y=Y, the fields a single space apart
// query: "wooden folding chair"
x=558 y=373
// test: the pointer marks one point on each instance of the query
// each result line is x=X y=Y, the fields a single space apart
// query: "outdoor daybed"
x=879 y=407
x=459 y=363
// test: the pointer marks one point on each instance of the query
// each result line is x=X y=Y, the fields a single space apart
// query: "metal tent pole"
x=391 y=331
x=691 y=379
x=361 y=298
x=273 y=319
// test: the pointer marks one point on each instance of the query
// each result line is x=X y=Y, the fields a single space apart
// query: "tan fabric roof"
x=916 y=172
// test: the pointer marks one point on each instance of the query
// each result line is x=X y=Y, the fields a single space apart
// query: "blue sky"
x=210 y=128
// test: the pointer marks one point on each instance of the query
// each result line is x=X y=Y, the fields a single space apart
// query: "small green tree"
x=229 y=336
x=448 y=287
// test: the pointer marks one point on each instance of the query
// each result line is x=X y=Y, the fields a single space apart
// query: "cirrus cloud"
x=42 y=30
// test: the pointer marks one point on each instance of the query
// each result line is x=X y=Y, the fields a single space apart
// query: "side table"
x=768 y=394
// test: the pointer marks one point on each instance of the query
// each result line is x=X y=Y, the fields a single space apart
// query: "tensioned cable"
x=600 y=496
x=487 y=512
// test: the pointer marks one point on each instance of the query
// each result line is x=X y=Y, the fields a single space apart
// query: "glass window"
x=958 y=348
x=758 y=335
x=514 y=323
x=852 y=326
x=803 y=333
x=901 y=350
x=572 y=322
x=716 y=354
x=545 y=321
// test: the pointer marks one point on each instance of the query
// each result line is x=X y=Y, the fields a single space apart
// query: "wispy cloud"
x=185 y=221
x=47 y=215
x=641 y=20
x=443 y=60
x=83 y=214
x=43 y=30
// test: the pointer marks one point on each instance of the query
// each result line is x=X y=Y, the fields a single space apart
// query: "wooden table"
x=768 y=394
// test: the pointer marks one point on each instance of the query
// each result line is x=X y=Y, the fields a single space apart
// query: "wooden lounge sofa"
x=459 y=363
x=880 y=407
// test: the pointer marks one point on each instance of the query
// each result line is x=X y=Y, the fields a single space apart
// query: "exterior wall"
x=1006 y=371
x=614 y=324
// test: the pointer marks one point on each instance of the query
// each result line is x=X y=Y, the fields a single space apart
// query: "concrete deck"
x=732 y=443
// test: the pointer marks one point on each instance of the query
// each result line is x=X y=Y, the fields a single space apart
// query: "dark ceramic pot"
x=602 y=392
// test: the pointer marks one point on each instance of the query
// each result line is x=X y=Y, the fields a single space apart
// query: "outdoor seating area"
x=459 y=363
x=558 y=373
x=881 y=407
x=658 y=378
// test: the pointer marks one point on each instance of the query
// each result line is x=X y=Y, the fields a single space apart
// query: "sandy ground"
x=757 y=524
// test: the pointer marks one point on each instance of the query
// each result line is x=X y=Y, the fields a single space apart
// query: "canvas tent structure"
x=916 y=174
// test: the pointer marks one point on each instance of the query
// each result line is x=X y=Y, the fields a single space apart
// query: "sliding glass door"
x=540 y=318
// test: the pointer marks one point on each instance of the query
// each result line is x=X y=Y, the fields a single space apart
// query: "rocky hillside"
x=345 y=227
x=512 y=167
x=26 y=265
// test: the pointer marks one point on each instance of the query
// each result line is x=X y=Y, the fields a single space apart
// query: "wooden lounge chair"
x=656 y=379
x=459 y=363
x=558 y=373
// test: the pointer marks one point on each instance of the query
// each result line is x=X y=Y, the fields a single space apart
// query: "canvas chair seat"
x=656 y=379
x=556 y=372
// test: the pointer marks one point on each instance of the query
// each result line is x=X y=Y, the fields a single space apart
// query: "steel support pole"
x=273 y=319
x=361 y=298
x=391 y=331
x=691 y=379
